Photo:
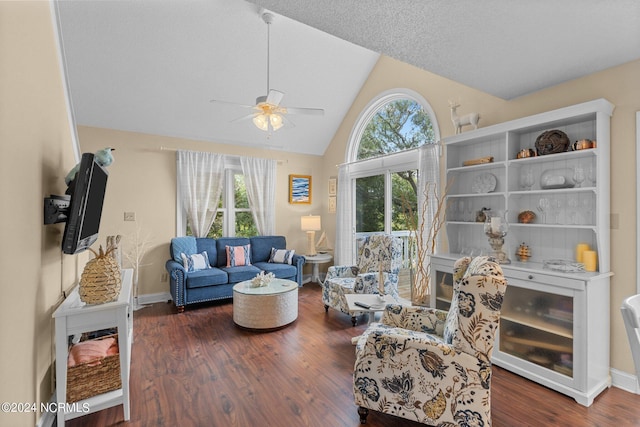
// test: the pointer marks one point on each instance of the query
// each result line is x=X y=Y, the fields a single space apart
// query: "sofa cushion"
x=281 y=256
x=210 y=277
x=238 y=256
x=183 y=245
x=261 y=246
x=222 y=243
x=240 y=274
x=281 y=271
x=195 y=262
x=208 y=245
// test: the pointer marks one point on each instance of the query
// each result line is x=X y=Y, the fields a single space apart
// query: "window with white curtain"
x=233 y=217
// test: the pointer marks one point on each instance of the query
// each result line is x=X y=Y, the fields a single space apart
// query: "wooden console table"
x=75 y=317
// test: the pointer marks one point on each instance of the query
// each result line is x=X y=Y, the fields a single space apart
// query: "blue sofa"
x=216 y=281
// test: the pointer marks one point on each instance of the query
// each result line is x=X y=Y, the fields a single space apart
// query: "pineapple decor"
x=523 y=253
x=100 y=281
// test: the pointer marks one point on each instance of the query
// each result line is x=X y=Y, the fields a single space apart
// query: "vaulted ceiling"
x=152 y=66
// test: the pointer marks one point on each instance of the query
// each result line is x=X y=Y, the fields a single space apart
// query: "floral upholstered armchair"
x=379 y=257
x=430 y=365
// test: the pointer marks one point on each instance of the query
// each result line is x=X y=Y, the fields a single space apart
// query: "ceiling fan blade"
x=243 y=118
x=287 y=122
x=274 y=97
x=308 y=111
x=217 y=101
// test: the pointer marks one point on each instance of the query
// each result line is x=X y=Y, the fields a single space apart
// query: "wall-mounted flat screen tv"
x=87 y=196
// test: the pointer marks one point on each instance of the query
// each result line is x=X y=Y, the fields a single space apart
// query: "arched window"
x=398 y=125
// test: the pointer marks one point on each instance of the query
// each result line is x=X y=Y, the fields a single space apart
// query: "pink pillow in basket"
x=91 y=351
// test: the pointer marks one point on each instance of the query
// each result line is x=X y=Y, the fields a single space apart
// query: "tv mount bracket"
x=56 y=209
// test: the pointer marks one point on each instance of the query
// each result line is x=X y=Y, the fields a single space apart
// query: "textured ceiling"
x=503 y=47
x=152 y=66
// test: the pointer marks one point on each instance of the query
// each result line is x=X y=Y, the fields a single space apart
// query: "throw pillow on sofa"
x=195 y=262
x=238 y=256
x=281 y=256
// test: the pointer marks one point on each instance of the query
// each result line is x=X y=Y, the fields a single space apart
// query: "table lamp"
x=310 y=224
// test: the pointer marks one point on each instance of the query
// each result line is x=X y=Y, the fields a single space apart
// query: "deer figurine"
x=468 y=119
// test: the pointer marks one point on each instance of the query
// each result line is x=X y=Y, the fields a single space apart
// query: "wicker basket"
x=100 y=281
x=84 y=381
x=551 y=142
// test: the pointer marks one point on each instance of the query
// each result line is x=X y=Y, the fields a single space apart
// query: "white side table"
x=75 y=317
x=372 y=300
x=316 y=260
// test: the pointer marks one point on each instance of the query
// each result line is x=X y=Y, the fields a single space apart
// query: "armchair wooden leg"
x=180 y=308
x=354 y=321
x=363 y=412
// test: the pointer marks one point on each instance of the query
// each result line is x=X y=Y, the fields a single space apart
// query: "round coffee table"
x=267 y=307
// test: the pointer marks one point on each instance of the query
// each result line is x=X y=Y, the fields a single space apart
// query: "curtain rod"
x=163 y=148
x=438 y=144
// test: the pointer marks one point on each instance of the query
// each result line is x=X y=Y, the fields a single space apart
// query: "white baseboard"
x=153 y=298
x=624 y=381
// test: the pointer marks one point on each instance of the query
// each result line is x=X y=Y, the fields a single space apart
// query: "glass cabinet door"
x=538 y=327
x=444 y=290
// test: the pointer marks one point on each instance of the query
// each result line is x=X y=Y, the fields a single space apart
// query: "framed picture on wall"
x=333 y=186
x=332 y=204
x=300 y=189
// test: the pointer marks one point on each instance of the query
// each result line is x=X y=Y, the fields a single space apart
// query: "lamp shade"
x=310 y=223
x=276 y=121
x=262 y=122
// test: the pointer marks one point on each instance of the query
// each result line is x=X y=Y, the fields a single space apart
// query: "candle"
x=590 y=260
x=495 y=224
x=580 y=248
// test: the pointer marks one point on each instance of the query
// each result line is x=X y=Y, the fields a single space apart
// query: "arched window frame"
x=372 y=109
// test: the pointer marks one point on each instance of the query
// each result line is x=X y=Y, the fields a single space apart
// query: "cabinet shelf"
x=572 y=190
x=539 y=344
x=476 y=168
x=538 y=324
x=558 y=157
x=561 y=226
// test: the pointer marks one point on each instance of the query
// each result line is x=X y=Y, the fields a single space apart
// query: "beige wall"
x=620 y=85
x=36 y=152
x=142 y=179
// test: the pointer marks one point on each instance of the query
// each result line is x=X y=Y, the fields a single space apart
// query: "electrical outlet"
x=129 y=216
x=164 y=277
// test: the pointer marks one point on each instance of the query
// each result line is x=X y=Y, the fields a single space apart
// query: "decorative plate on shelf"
x=484 y=183
x=563 y=265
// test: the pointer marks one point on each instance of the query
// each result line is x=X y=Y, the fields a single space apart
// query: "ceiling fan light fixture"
x=276 y=121
x=262 y=122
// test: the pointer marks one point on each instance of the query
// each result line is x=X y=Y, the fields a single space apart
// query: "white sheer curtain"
x=201 y=179
x=344 y=219
x=260 y=181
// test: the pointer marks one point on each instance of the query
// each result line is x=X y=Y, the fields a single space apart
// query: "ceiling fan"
x=268 y=114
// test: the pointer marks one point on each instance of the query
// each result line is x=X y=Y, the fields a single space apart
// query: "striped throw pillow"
x=195 y=262
x=238 y=255
x=281 y=256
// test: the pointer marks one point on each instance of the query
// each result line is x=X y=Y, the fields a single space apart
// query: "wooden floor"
x=199 y=369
